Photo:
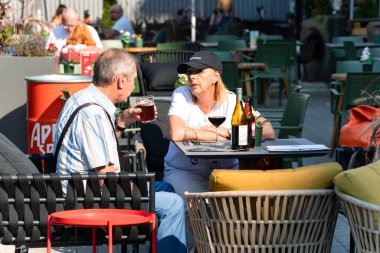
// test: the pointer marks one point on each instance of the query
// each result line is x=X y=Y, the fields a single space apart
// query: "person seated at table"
x=188 y=121
x=57 y=19
x=122 y=23
x=59 y=35
x=80 y=34
x=90 y=143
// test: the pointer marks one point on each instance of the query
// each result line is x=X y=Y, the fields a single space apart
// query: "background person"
x=121 y=24
x=57 y=19
x=90 y=144
x=70 y=19
x=188 y=121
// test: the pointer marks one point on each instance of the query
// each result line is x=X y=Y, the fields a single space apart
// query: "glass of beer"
x=146 y=104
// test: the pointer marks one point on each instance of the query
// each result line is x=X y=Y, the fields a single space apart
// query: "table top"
x=101 y=217
x=251 y=65
x=193 y=151
x=358 y=45
x=339 y=77
x=140 y=49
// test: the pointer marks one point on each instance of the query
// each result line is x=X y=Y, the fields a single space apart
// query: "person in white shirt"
x=70 y=19
x=121 y=24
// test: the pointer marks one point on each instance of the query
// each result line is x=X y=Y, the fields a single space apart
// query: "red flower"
x=52 y=48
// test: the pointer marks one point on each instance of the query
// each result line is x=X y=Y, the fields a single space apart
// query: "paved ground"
x=318 y=127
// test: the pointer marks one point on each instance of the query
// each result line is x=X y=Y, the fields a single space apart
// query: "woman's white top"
x=183 y=107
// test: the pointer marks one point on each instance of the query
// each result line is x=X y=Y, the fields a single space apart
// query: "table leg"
x=93 y=239
x=248 y=87
x=49 y=235
x=154 y=234
x=109 y=237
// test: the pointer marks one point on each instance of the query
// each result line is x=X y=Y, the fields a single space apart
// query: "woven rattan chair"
x=363 y=218
x=263 y=221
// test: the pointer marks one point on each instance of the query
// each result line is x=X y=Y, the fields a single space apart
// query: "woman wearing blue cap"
x=188 y=120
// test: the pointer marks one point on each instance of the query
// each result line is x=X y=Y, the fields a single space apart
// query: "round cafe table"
x=101 y=218
x=135 y=50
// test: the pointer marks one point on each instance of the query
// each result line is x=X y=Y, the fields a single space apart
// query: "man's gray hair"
x=111 y=63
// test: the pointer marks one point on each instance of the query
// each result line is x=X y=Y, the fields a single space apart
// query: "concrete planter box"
x=13 y=70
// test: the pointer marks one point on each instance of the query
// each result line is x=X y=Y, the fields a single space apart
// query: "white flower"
x=121 y=31
x=256 y=114
x=127 y=33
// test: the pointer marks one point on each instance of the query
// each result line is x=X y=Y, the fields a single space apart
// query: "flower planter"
x=13 y=96
x=68 y=69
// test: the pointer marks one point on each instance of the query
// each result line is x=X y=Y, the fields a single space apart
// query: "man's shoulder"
x=58 y=30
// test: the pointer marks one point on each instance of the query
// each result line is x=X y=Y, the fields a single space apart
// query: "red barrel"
x=44 y=106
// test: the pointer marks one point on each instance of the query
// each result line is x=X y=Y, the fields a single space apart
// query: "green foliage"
x=317 y=7
x=106 y=11
x=367 y=9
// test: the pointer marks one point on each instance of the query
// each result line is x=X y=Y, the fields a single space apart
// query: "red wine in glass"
x=216 y=120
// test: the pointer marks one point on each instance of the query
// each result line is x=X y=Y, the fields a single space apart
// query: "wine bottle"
x=250 y=121
x=239 y=137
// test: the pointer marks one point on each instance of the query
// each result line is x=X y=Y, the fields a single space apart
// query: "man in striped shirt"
x=90 y=143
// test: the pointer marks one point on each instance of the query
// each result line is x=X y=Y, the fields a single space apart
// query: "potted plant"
x=367 y=60
x=125 y=38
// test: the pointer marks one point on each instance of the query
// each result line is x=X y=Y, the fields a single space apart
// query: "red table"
x=101 y=218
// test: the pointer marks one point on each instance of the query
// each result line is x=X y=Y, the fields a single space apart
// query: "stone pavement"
x=317 y=128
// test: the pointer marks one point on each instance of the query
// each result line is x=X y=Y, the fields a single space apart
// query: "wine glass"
x=217 y=115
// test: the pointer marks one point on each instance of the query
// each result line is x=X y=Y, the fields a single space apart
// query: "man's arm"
x=108 y=33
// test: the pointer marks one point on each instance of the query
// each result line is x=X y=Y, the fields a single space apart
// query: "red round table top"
x=101 y=217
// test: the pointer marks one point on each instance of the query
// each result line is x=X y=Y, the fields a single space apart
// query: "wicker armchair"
x=263 y=221
x=363 y=218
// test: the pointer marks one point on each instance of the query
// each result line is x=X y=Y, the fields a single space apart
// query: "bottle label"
x=243 y=135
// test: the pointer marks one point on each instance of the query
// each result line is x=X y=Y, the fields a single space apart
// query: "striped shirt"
x=89 y=142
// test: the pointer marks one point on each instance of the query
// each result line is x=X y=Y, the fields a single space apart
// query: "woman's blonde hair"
x=80 y=35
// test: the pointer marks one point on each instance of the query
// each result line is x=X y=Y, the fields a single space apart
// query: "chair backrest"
x=291 y=220
x=154 y=136
x=230 y=75
x=13 y=160
x=231 y=45
x=157 y=71
x=292 y=47
x=362 y=218
x=355 y=84
x=172 y=46
x=294 y=115
x=350 y=50
x=274 y=55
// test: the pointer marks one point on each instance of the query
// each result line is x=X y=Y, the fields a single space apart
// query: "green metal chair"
x=231 y=45
x=277 y=114
x=291 y=123
x=230 y=76
x=340 y=53
x=278 y=59
x=352 y=93
x=172 y=46
x=350 y=96
x=352 y=66
x=291 y=43
x=350 y=50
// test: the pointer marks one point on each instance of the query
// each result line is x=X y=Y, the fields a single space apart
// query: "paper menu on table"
x=297 y=147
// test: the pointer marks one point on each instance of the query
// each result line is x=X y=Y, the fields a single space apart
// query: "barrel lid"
x=55 y=78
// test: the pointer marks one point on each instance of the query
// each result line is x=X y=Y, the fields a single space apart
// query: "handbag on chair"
x=357 y=131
